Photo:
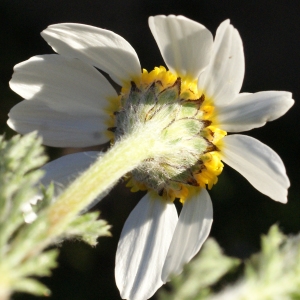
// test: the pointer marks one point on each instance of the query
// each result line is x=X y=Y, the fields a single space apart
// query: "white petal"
x=143 y=246
x=184 y=44
x=57 y=129
x=223 y=78
x=249 y=111
x=192 y=230
x=64 y=170
x=258 y=163
x=61 y=172
x=67 y=98
x=98 y=47
x=27 y=208
x=66 y=85
x=29 y=217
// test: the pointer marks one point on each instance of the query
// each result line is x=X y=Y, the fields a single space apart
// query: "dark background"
x=270 y=31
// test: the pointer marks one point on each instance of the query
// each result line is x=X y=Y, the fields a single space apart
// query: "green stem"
x=123 y=157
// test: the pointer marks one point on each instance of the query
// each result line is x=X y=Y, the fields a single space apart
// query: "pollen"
x=182 y=120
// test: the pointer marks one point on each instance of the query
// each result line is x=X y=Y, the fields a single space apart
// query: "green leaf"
x=205 y=270
x=22 y=245
x=32 y=286
x=273 y=273
x=88 y=228
x=45 y=262
x=18 y=157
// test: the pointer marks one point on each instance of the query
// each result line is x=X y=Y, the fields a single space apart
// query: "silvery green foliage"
x=22 y=245
x=199 y=275
x=273 y=273
x=88 y=228
x=19 y=157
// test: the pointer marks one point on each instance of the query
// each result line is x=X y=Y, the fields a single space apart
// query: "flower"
x=187 y=110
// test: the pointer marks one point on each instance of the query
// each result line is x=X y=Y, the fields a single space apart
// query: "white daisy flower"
x=189 y=108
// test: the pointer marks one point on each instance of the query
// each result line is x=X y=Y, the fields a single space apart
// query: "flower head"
x=185 y=112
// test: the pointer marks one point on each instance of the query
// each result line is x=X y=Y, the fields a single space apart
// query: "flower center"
x=178 y=117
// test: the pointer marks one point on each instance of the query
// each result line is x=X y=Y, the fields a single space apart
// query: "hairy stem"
x=124 y=156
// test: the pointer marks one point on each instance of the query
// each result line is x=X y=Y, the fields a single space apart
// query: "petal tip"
x=225 y=23
x=10 y=124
